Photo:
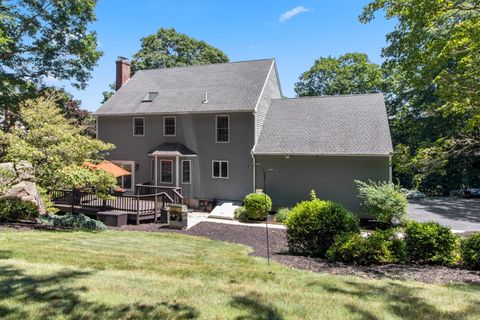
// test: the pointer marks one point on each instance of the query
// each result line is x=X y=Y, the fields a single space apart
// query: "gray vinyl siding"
x=197 y=132
x=271 y=91
x=332 y=177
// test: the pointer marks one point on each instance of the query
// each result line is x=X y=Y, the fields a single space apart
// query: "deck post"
x=73 y=201
x=155 y=209
x=138 y=210
x=177 y=171
x=156 y=171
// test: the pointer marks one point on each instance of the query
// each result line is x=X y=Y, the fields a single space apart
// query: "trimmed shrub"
x=429 y=243
x=385 y=201
x=258 y=205
x=12 y=208
x=381 y=247
x=470 y=251
x=313 y=225
x=282 y=215
x=74 y=222
x=241 y=214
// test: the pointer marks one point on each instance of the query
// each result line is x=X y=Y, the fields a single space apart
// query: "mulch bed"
x=255 y=237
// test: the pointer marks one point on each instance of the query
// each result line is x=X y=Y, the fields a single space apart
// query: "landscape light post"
x=266 y=206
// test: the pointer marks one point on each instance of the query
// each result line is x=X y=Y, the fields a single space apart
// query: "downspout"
x=253 y=172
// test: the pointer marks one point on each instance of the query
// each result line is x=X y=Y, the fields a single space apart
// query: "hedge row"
x=326 y=229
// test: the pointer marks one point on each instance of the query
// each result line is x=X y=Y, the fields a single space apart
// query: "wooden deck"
x=140 y=207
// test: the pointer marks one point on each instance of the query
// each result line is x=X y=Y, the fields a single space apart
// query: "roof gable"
x=333 y=125
x=234 y=86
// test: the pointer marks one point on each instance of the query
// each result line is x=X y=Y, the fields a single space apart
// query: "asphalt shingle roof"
x=343 y=125
x=234 y=86
x=175 y=149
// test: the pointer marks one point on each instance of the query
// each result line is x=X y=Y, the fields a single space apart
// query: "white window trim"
x=133 y=122
x=132 y=164
x=190 y=169
x=161 y=161
x=220 y=169
x=216 y=128
x=175 y=126
x=152 y=170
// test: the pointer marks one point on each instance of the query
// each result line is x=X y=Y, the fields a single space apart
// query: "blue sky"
x=295 y=33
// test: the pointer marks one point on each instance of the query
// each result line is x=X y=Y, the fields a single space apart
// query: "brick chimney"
x=123 y=72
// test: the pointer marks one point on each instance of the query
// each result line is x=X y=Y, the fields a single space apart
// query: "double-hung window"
x=169 y=124
x=220 y=169
x=138 y=127
x=222 y=126
x=186 y=171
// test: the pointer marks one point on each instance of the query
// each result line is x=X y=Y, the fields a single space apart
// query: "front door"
x=166 y=171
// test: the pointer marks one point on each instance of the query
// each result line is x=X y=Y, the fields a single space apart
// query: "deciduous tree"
x=433 y=62
x=351 y=73
x=167 y=48
x=55 y=147
x=41 y=39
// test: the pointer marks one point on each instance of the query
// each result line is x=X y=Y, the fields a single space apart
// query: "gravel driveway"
x=457 y=213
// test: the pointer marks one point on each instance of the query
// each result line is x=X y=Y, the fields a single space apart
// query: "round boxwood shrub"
x=381 y=247
x=282 y=215
x=429 y=243
x=258 y=205
x=241 y=214
x=470 y=251
x=313 y=225
x=12 y=208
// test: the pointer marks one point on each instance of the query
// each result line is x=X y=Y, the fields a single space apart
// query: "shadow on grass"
x=401 y=301
x=56 y=298
x=255 y=309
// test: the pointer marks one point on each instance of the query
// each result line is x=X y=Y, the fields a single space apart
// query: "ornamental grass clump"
x=282 y=215
x=312 y=226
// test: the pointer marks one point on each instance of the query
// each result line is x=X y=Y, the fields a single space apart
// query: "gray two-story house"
x=213 y=130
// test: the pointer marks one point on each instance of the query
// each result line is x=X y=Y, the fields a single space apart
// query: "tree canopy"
x=41 y=39
x=54 y=146
x=350 y=73
x=167 y=48
x=433 y=64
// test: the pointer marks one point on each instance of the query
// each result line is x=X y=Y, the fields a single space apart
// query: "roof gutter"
x=311 y=154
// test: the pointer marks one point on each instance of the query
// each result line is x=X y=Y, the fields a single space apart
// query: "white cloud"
x=292 y=13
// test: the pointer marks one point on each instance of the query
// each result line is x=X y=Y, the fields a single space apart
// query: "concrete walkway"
x=195 y=218
x=457 y=213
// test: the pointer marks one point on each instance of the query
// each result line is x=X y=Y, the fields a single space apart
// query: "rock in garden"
x=20 y=184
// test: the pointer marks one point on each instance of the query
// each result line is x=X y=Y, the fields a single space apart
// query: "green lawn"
x=130 y=275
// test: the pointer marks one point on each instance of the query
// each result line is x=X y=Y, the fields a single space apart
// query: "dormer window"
x=150 y=96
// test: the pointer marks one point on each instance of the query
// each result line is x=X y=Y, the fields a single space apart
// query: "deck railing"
x=140 y=205
x=173 y=192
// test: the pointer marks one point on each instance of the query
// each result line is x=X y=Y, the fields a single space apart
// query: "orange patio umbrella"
x=109 y=167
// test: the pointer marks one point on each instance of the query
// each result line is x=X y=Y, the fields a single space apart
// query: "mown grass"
x=132 y=275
